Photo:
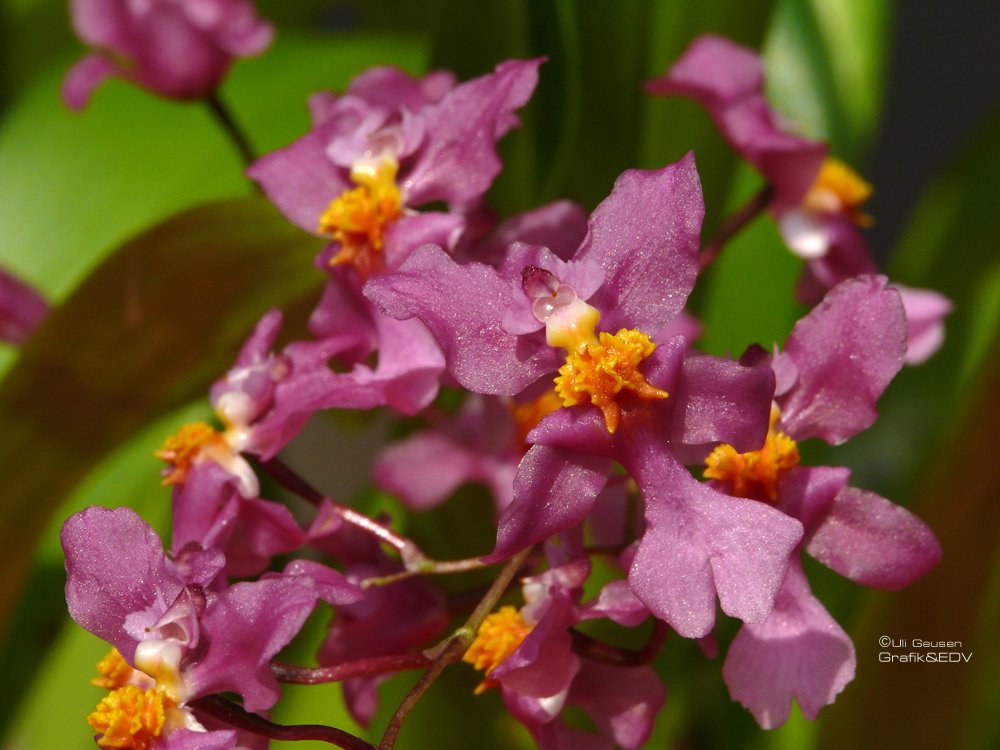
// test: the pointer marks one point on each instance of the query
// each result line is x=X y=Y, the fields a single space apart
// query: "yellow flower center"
x=601 y=369
x=114 y=671
x=357 y=218
x=527 y=416
x=180 y=451
x=498 y=637
x=839 y=188
x=755 y=474
x=130 y=717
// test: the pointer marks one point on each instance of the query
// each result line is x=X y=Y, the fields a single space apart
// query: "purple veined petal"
x=343 y=311
x=361 y=697
x=261 y=341
x=477 y=444
x=412 y=231
x=622 y=701
x=562 y=584
x=300 y=395
x=544 y=664
x=560 y=226
x=789 y=163
x=686 y=325
x=846 y=350
x=500 y=481
x=115 y=567
x=331 y=585
x=925 y=313
x=847 y=256
x=391 y=88
x=713 y=70
x=538 y=715
x=188 y=739
x=709 y=645
x=197 y=565
x=614 y=518
x=728 y=80
x=204 y=507
x=459 y=161
x=22 y=309
x=646 y=237
x=304 y=396
x=245 y=627
x=718 y=400
x=425 y=469
x=463 y=306
x=554 y=490
x=786 y=373
x=86 y=75
x=263 y=530
x=806 y=492
x=574 y=429
x=246 y=391
x=618 y=603
x=241 y=33
x=699 y=543
x=410 y=364
x=798 y=652
x=348 y=126
x=873 y=542
x=300 y=180
x=100 y=23
x=176 y=49
x=170 y=56
x=566 y=573
x=323 y=107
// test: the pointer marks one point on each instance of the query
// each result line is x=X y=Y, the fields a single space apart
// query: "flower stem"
x=293 y=674
x=413 y=558
x=230 y=713
x=233 y=131
x=428 y=567
x=734 y=224
x=605 y=653
x=453 y=648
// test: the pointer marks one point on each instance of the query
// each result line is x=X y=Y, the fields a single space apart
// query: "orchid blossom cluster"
x=605 y=437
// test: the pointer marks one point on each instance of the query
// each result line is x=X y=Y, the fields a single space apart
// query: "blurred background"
x=906 y=92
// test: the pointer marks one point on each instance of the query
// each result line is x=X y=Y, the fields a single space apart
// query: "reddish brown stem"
x=453 y=648
x=734 y=224
x=426 y=567
x=605 y=653
x=284 y=475
x=293 y=674
x=230 y=713
x=232 y=129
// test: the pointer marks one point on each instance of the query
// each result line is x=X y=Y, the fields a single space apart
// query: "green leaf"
x=146 y=332
x=75 y=185
x=749 y=289
x=673 y=126
x=826 y=69
x=59 y=698
x=44 y=647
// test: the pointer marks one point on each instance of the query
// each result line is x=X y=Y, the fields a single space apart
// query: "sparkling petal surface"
x=846 y=351
x=873 y=542
x=798 y=652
